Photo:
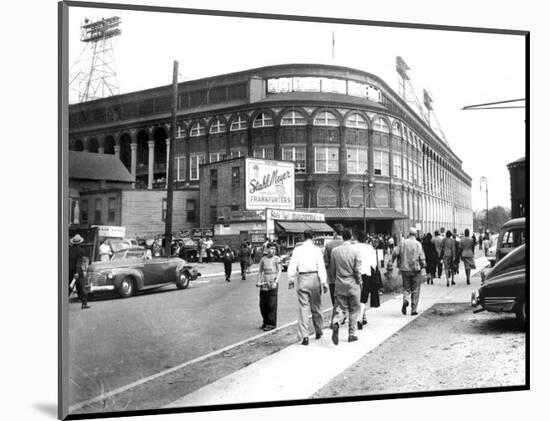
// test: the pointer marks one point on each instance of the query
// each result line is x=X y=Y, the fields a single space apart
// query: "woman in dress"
x=431 y=258
x=467 y=247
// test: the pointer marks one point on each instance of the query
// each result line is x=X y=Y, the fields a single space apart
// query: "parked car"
x=492 y=252
x=511 y=235
x=131 y=270
x=504 y=289
x=124 y=243
x=188 y=249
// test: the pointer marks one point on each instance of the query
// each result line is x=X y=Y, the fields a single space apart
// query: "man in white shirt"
x=368 y=261
x=105 y=251
x=307 y=265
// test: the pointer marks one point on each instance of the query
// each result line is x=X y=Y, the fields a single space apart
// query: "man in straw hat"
x=410 y=260
x=78 y=264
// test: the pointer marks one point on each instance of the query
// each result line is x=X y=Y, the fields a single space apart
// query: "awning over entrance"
x=293 y=226
x=320 y=227
x=357 y=213
x=298 y=227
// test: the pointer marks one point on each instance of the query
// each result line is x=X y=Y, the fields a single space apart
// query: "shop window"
x=326 y=160
x=356 y=197
x=397 y=166
x=262 y=120
x=217 y=127
x=356 y=121
x=190 y=208
x=326 y=119
x=214 y=178
x=111 y=210
x=296 y=154
x=357 y=160
x=293 y=118
x=298 y=198
x=84 y=211
x=198 y=129
x=180 y=168
x=235 y=176
x=196 y=161
x=97 y=214
x=381 y=126
x=381 y=163
x=163 y=210
x=326 y=197
x=238 y=124
x=264 y=153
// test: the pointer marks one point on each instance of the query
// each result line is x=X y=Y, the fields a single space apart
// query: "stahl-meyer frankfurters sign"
x=269 y=184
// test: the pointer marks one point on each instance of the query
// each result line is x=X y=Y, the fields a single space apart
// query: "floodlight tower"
x=97 y=79
x=406 y=89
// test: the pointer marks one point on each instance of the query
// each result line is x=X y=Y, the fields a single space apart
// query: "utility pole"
x=170 y=181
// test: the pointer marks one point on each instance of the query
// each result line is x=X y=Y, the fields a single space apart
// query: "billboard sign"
x=269 y=184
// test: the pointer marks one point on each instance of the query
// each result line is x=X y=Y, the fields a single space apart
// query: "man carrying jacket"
x=410 y=260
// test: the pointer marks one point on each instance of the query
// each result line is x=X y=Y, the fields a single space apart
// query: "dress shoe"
x=352 y=338
x=453 y=283
x=263 y=326
x=85 y=306
x=364 y=321
x=318 y=335
x=447 y=284
x=404 y=307
x=414 y=313
x=467 y=282
x=305 y=341
x=335 y=328
x=359 y=325
x=269 y=327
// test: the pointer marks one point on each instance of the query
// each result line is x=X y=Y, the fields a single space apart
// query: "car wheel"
x=126 y=288
x=521 y=313
x=183 y=280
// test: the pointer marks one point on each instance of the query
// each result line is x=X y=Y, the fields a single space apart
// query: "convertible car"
x=133 y=269
x=504 y=288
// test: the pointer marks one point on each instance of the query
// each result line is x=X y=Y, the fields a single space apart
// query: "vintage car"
x=512 y=234
x=504 y=288
x=133 y=269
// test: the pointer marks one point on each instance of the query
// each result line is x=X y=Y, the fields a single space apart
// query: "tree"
x=498 y=215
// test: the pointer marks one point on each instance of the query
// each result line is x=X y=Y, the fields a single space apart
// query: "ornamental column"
x=167 y=160
x=277 y=152
x=117 y=151
x=150 y=174
x=133 y=162
x=370 y=158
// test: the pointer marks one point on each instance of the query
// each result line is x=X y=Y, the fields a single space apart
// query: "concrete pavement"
x=297 y=371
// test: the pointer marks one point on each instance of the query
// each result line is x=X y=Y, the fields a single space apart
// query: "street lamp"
x=484 y=182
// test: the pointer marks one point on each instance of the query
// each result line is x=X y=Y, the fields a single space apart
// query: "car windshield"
x=127 y=254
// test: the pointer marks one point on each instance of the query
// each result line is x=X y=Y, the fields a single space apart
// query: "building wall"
x=142 y=212
x=228 y=196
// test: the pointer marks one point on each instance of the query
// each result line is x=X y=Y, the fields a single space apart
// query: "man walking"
x=308 y=266
x=345 y=269
x=331 y=245
x=410 y=260
x=438 y=242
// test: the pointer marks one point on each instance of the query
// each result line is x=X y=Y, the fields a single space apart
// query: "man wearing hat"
x=410 y=260
x=78 y=259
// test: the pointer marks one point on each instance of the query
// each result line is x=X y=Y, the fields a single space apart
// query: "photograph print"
x=262 y=210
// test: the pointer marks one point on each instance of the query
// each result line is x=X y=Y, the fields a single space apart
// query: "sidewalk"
x=297 y=372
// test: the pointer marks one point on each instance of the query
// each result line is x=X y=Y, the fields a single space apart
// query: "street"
x=171 y=347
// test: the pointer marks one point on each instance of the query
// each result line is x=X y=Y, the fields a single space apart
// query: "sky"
x=458 y=68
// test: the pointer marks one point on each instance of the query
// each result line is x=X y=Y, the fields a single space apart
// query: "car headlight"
x=110 y=275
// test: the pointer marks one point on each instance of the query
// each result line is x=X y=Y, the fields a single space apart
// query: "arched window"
x=356 y=198
x=292 y=118
x=180 y=132
x=356 y=121
x=381 y=126
x=263 y=120
x=198 y=129
x=217 y=126
x=299 y=198
x=238 y=124
x=396 y=129
x=326 y=119
x=326 y=197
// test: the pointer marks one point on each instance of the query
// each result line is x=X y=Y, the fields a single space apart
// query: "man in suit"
x=331 y=245
x=345 y=269
x=438 y=242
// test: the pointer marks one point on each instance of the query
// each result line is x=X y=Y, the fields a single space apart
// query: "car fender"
x=120 y=273
x=193 y=273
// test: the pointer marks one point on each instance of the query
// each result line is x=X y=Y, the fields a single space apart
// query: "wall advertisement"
x=269 y=184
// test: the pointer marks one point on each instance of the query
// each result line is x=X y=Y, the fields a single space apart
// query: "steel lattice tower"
x=93 y=74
